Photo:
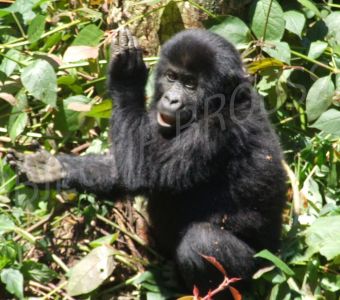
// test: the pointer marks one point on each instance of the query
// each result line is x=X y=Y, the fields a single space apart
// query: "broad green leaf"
x=319 y=97
x=91 y=271
x=278 y=50
x=329 y=122
x=324 y=236
x=36 y=28
x=316 y=49
x=6 y=224
x=75 y=108
x=37 y=271
x=9 y=64
x=40 y=80
x=311 y=192
x=267 y=20
x=311 y=6
x=333 y=23
x=276 y=261
x=14 y=282
x=18 y=126
x=156 y=296
x=25 y=8
x=331 y=282
x=295 y=21
x=234 y=30
x=171 y=22
x=88 y=36
x=101 y=110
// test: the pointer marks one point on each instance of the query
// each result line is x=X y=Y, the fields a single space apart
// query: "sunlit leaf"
x=295 y=21
x=9 y=63
x=40 y=80
x=311 y=6
x=90 y=35
x=14 y=282
x=276 y=261
x=316 y=49
x=36 y=28
x=18 y=126
x=234 y=30
x=324 y=236
x=267 y=20
x=319 y=97
x=329 y=122
x=91 y=271
x=278 y=50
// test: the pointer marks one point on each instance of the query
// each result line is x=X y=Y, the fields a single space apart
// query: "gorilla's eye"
x=171 y=76
x=190 y=83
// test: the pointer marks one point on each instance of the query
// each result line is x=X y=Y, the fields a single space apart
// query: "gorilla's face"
x=176 y=107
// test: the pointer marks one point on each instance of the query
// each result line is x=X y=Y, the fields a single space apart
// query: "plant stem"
x=27 y=42
x=209 y=13
x=19 y=25
x=129 y=234
x=305 y=57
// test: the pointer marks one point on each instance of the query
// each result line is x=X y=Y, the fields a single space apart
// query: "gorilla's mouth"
x=166 y=120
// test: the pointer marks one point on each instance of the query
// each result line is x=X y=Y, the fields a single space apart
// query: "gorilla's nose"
x=173 y=104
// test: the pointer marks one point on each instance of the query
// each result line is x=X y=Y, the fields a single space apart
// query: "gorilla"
x=204 y=154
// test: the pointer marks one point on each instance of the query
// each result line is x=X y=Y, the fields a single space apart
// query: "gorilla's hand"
x=39 y=167
x=127 y=68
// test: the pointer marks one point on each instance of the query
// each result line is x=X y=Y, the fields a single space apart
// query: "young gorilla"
x=204 y=154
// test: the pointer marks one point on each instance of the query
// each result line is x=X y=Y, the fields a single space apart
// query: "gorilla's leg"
x=206 y=239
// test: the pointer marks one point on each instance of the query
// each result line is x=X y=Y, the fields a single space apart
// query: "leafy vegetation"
x=53 y=60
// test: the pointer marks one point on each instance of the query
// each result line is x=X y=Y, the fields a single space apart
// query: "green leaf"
x=333 y=23
x=8 y=65
x=311 y=6
x=25 y=8
x=295 y=21
x=88 y=36
x=329 y=122
x=37 y=271
x=36 y=28
x=319 y=97
x=330 y=282
x=316 y=49
x=276 y=261
x=18 y=126
x=279 y=50
x=171 y=22
x=324 y=236
x=234 y=30
x=14 y=282
x=91 y=271
x=105 y=240
x=73 y=116
x=6 y=224
x=267 y=20
x=101 y=110
x=40 y=80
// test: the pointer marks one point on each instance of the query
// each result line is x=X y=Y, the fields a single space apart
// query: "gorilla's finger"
x=135 y=42
x=115 y=45
x=15 y=154
x=123 y=39
x=130 y=39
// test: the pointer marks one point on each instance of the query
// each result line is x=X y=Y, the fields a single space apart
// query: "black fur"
x=217 y=187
